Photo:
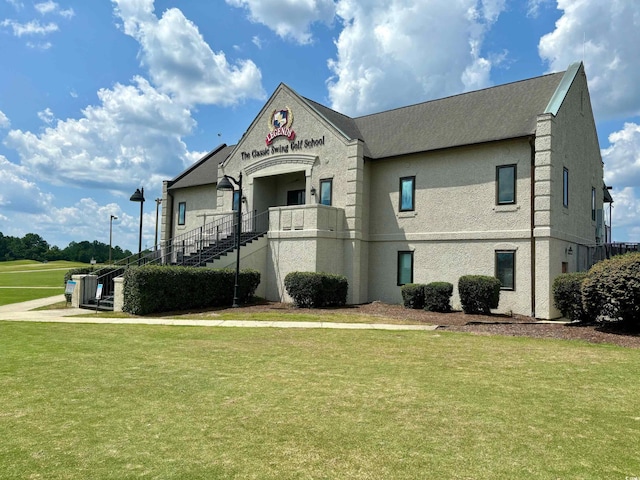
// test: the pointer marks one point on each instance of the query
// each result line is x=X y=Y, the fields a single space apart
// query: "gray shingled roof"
x=204 y=171
x=497 y=113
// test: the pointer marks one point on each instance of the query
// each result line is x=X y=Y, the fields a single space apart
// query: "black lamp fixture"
x=138 y=196
x=225 y=184
x=313 y=191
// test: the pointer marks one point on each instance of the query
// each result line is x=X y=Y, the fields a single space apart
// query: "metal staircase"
x=192 y=249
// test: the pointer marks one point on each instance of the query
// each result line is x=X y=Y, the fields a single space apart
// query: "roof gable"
x=204 y=171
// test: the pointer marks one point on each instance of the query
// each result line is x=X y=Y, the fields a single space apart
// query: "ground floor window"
x=506 y=269
x=182 y=213
x=405 y=267
x=295 y=197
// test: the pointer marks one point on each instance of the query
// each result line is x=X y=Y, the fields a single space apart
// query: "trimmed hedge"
x=315 y=290
x=154 y=289
x=478 y=293
x=437 y=297
x=611 y=291
x=567 y=295
x=413 y=295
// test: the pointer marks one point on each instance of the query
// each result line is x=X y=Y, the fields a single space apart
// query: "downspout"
x=532 y=210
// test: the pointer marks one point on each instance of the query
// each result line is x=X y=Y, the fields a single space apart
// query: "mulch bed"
x=516 y=325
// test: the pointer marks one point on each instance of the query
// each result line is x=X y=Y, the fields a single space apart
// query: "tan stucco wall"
x=200 y=207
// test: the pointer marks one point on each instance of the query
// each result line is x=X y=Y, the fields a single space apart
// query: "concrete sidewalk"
x=23 y=312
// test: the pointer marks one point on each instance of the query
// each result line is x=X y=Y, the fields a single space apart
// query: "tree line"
x=34 y=247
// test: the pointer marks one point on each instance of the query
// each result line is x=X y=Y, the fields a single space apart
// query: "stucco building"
x=505 y=181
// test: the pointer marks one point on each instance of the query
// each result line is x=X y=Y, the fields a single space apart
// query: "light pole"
x=111 y=219
x=138 y=196
x=155 y=241
x=225 y=184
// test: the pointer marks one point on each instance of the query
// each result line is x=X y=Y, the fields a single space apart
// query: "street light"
x=155 y=242
x=138 y=196
x=225 y=184
x=111 y=219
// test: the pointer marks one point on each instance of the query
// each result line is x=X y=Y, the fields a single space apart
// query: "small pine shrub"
x=315 y=290
x=611 y=291
x=413 y=295
x=478 y=293
x=567 y=295
x=437 y=296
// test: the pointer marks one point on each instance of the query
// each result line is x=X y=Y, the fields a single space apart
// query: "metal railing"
x=195 y=248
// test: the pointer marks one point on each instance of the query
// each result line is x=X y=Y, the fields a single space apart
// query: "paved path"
x=23 y=312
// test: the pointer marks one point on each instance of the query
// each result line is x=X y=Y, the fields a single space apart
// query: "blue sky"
x=99 y=98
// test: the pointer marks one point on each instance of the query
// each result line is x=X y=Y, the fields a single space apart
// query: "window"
x=182 y=212
x=295 y=197
x=407 y=194
x=326 y=191
x=405 y=268
x=593 y=203
x=565 y=187
x=505 y=184
x=506 y=269
x=236 y=200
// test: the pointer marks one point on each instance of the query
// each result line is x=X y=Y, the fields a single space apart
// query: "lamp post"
x=111 y=219
x=155 y=241
x=138 y=196
x=225 y=184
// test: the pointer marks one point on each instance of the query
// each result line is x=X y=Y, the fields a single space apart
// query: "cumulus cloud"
x=4 y=121
x=18 y=193
x=33 y=27
x=601 y=32
x=46 y=116
x=622 y=157
x=133 y=131
x=49 y=6
x=430 y=47
x=180 y=62
x=289 y=19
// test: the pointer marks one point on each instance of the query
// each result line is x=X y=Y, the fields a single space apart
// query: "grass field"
x=118 y=402
x=24 y=280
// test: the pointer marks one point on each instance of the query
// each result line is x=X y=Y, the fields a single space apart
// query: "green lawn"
x=118 y=402
x=24 y=280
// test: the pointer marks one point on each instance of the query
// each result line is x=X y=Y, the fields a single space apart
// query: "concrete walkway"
x=23 y=312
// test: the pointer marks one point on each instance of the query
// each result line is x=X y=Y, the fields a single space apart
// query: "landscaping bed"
x=516 y=325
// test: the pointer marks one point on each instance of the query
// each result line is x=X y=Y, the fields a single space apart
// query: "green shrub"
x=478 y=293
x=315 y=290
x=437 y=296
x=154 y=289
x=611 y=291
x=413 y=295
x=567 y=295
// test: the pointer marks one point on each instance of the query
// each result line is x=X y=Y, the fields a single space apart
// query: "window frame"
x=182 y=213
x=565 y=187
x=401 y=254
x=593 y=204
x=499 y=168
x=412 y=208
x=512 y=253
x=235 y=200
x=329 y=182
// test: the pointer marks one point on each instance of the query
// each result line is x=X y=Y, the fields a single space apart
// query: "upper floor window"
x=326 y=187
x=295 y=197
x=505 y=184
x=593 y=203
x=506 y=269
x=405 y=268
x=182 y=213
x=565 y=187
x=407 y=194
x=236 y=200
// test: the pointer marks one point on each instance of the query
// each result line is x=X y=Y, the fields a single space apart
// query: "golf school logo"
x=280 y=122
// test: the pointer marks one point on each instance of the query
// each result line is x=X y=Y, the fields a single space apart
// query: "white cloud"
x=622 y=157
x=181 y=63
x=4 y=121
x=601 y=33
x=18 y=193
x=16 y=4
x=534 y=7
x=33 y=27
x=134 y=131
x=289 y=19
x=46 y=116
x=430 y=47
x=49 y=6
x=256 y=41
